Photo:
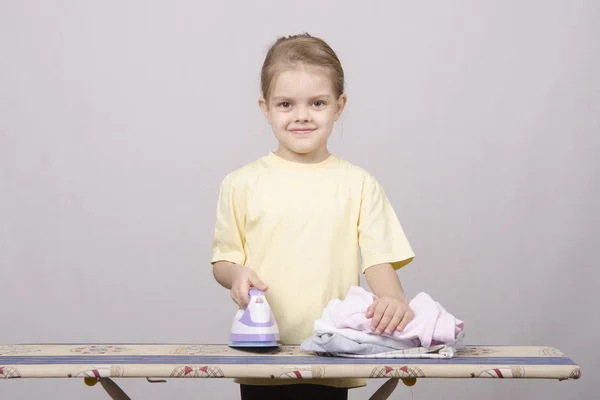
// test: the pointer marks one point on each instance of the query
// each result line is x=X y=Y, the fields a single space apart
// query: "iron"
x=255 y=325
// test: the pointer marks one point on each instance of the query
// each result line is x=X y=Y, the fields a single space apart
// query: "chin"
x=303 y=150
x=299 y=152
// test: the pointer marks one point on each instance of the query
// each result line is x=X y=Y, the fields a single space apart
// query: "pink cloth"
x=431 y=325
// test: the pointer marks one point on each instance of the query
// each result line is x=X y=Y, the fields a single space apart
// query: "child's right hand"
x=241 y=282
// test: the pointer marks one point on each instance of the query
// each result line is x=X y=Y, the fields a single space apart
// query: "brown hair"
x=301 y=49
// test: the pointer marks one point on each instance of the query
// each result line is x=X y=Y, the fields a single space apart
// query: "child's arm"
x=238 y=279
x=223 y=272
x=229 y=258
x=390 y=311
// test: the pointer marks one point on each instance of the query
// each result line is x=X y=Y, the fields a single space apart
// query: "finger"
x=235 y=298
x=394 y=322
x=408 y=316
x=385 y=320
x=257 y=283
x=370 y=310
x=242 y=294
x=371 y=314
x=377 y=315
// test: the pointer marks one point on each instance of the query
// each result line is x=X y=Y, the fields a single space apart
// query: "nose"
x=302 y=114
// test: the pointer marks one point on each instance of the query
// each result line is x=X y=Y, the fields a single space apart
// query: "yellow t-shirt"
x=302 y=228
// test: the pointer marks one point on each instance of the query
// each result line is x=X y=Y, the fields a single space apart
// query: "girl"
x=294 y=222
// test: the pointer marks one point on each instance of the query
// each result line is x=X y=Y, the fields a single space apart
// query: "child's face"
x=302 y=109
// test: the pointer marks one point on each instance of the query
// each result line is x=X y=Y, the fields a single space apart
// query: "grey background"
x=118 y=119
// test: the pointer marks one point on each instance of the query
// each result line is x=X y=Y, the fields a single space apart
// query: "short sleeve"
x=380 y=236
x=228 y=241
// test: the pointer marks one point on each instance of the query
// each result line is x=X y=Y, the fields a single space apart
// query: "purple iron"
x=255 y=325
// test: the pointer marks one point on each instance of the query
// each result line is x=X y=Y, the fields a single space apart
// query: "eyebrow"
x=280 y=98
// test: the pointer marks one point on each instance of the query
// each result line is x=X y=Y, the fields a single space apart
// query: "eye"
x=319 y=103
x=284 y=104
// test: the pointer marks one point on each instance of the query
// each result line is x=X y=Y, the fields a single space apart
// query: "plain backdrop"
x=118 y=120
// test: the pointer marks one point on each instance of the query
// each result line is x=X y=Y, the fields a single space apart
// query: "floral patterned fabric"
x=285 y=362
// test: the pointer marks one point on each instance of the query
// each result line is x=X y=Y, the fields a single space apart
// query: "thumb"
x=257 y=283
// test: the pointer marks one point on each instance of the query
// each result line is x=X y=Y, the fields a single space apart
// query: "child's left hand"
x=389 y=314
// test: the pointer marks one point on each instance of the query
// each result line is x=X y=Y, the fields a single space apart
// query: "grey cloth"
x=336 y=343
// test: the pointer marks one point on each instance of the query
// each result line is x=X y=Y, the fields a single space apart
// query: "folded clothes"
x=433 y=332
x=431 y=324
x=337 y=345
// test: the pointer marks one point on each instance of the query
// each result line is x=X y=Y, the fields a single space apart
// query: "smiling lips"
x=302 y=130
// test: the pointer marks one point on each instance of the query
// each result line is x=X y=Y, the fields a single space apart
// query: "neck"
x=316 y=156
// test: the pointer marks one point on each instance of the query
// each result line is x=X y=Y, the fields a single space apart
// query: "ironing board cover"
x=286 y=362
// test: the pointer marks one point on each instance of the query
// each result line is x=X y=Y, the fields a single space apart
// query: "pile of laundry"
x=344 y=330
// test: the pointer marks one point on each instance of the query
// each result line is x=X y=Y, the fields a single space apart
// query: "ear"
x=341 y=104
x=264 y=106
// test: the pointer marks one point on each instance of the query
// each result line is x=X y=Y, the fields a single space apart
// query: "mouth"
x=302 y=130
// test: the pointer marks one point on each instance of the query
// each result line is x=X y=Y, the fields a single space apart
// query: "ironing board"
x=101 y=362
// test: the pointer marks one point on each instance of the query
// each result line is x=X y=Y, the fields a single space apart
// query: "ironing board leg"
x=113 y=390
x=385 y=390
